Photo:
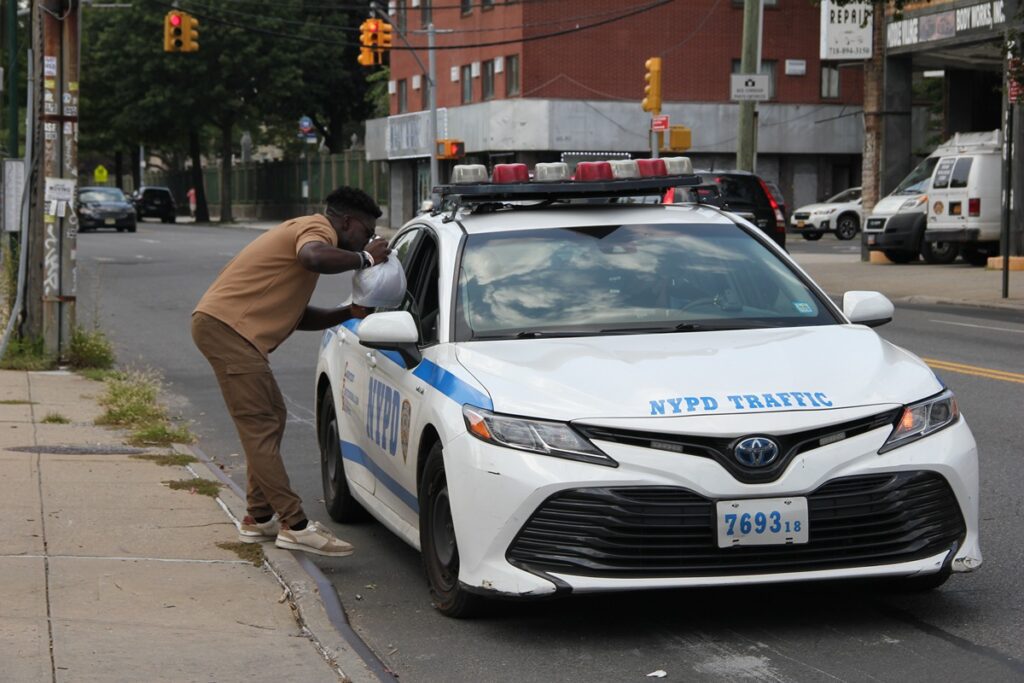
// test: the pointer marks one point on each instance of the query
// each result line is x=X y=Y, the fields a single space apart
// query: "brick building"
x=530 y=98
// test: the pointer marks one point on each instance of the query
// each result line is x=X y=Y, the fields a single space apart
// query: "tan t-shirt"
x=263 y=291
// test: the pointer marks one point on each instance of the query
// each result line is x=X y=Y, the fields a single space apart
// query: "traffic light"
x=384 y=37
x=652 y=89
x=369 y=33
x=181 y=32
x=450 y=149
x=173 y=31
x=190 y=25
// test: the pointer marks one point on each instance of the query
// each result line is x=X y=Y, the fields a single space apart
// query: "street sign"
x=100 y=175
x=1015 y=86
x=659 y=123
x=14 y=186
x=749 y=87
x=305 y=124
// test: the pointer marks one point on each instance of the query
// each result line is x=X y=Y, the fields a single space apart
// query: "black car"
x=155 y=202
x=748 y=196
x=104 y=207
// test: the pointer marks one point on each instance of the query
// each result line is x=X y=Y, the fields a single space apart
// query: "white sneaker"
x=313 y=539
x=251 y=531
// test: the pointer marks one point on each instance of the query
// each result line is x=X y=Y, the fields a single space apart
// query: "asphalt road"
x=142 y=287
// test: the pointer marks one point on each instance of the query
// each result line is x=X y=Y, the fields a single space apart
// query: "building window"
x=426 y=15
x=425 y=92
x=487 y=80
x=511 y=75
x=767 y=69
x=467 y=84
x=401 y=15
x=467 y=6
x=403 y=96
x=829 y=81
x=767 y=3
x=486 y=4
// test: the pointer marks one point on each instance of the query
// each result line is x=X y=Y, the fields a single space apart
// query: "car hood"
x=891 y=204
x=697 y=373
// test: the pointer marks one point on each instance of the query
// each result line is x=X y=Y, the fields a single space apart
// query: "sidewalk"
x=110 y=575
x=956 y=283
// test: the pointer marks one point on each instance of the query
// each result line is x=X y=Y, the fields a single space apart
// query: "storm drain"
x=98 y=449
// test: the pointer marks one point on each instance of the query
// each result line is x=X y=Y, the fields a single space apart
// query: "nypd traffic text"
x=763 y=401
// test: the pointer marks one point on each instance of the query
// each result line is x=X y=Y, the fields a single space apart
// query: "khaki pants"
x=258 y=410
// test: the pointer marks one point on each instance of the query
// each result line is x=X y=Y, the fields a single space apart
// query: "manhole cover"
x=98 y=449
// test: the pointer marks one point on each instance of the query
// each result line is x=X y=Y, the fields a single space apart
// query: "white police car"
x=586 y=397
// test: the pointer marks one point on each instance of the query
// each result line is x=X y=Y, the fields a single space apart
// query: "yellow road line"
x=975 y=370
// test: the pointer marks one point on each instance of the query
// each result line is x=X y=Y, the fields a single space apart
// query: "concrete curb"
x=303 y=592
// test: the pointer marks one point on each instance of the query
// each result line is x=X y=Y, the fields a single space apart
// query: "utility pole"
x=750 y=63
x=435 y=199
x=54 y=225
x=12 y=78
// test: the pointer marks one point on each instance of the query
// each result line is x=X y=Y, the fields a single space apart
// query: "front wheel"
x=847 y=227
x=940 y=252
x=811 y=236
x=437 y=542
x=338 y=500
x=897 y=256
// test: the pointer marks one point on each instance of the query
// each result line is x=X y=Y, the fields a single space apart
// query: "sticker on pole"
x=659 y=123
x=749 y=87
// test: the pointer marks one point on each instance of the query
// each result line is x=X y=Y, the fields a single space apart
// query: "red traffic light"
x=175 y=20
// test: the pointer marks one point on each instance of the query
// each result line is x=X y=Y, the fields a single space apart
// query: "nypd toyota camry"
x=580 y=395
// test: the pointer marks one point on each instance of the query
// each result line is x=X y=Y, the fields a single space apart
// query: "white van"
x=965 y=200
x=898 y=223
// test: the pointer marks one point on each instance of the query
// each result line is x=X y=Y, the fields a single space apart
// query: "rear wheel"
x=940 y=252
x=897 y=256
x=811 y=236
x=847 y=227
x=974 y=256
x=338 y=500
x=437 y=542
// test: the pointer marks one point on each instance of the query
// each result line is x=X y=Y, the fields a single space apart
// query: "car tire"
x=811 y=236
x=438 y=544
x=940 y=253
x=167 y=219
x=340 y=504
x=847 y=227
x=974 y=256
x=897 y=256
x=132 y=227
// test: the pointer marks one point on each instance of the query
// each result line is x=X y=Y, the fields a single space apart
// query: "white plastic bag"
x=380 y=286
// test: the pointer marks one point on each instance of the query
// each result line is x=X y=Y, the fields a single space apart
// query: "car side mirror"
x=867 y=308
x=392 y=331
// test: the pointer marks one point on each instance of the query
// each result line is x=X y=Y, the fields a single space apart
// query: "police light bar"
x=552 y=172
x=469 y=173
x=510 y=173
x=624 y=168
x=588 y=171
x=651 y=167
x=678 y=165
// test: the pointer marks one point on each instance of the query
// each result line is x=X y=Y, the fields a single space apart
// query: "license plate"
x=871 y=240
x=762 y=521
x=108 y=221
x=799 y=224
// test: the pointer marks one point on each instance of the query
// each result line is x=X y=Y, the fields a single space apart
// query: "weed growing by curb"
x=130 y=399
x=55 y=419
x=16 y=402
x=26 y=354
x=90 y=350
x=166 y=459
x=250 y=552
x=204 y=487
x=161 y=434
x=98 y=375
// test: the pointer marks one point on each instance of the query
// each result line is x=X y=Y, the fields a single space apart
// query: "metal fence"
x=274 y=190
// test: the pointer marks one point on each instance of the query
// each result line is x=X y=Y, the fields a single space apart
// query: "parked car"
x=897 y=225
x=777 y=194
x=155 y=202
x=104 y=207
x=748 y=196
x=839 y=214
x=586 y=397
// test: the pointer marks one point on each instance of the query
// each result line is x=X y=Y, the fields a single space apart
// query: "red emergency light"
x=593 y=170
x=510 y=173
x=650 y=168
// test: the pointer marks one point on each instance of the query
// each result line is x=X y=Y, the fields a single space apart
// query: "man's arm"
x=320 y=257
x=315 y=318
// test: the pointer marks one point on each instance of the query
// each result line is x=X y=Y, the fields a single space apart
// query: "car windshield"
x=917 y=181
x=103 y=194
x=737 y=189
x=626 y=279
x=851 y=195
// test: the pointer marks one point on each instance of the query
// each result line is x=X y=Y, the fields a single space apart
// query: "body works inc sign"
x=983 y=16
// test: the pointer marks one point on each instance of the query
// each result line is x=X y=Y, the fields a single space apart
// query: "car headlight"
x=913 y=202
x=87 y=210
x=920 y=419
x=556 y=439
x=824 y=212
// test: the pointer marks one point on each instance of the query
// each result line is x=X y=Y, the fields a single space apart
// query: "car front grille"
x=662 y=531
x=876 y=223
x=801 y=215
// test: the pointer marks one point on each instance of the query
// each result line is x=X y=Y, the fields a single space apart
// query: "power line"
x=525 y=39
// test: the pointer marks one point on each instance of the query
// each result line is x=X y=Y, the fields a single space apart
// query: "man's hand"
x=378 y=250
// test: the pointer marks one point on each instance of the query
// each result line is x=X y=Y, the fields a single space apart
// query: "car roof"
x=582 y=215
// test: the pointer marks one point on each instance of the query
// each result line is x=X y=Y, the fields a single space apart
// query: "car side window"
x=404 y=249
x=961 y=172
x=423 y=300
x=943 y=172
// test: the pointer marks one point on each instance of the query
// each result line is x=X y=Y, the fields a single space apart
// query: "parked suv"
x=154 y=202
x=748 y=196
x=839 y=214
